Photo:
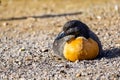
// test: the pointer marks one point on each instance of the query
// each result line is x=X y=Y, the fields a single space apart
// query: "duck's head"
x=74 y=28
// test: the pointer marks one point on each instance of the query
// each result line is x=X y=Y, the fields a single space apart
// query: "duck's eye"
x=73 y=30
x=70 y=31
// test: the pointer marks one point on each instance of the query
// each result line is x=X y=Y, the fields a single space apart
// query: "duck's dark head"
x=75 y=28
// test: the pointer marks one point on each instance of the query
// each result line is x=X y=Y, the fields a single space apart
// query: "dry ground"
x=27 y=31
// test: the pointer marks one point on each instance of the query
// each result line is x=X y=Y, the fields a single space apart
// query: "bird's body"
x=80 y=49
x=77 y=42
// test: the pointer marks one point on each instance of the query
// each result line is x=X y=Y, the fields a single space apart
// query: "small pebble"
x=116 y=7
x=5 y=24
x=29 y=57
x=99 y=17
x=22 y=79
x=78 y=75
x=36 y=58
x=63 y=71
x=44 y=50
x=22 y=49
x=67 y=66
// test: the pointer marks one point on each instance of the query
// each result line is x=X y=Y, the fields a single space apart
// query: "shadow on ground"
x=42 y=16
x=112 y=53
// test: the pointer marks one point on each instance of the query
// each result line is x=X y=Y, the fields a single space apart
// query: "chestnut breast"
x=80 y=48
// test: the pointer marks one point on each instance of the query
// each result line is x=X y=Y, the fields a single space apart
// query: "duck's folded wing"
x=94 y=37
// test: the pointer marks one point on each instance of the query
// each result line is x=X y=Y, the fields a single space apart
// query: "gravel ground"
x=26 y=47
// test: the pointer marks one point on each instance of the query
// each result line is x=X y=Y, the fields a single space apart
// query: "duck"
x=77 y=42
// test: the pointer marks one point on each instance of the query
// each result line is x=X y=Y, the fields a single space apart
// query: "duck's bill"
x=60 y=35
x=64 y=36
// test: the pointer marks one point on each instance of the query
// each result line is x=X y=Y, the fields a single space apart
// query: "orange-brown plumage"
x=80 y=49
